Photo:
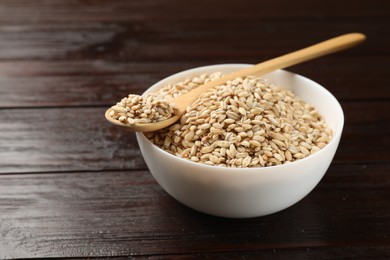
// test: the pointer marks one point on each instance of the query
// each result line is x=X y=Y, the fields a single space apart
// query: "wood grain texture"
x=188 y=40
x=103 y=83
x=126 y=213
x=74 y=139
x=342 y=252
x=64 y=140
x=17 y=11
x=72 y=186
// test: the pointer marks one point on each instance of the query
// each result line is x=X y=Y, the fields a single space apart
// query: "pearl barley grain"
x=246 y=122
x=136 y=109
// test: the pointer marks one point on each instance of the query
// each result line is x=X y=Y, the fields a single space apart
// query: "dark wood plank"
x=190 y=40
x=51 y=41
x=100 y=82
x=74 y=139
x=366 y=132
x=77 y=83
x=126 y=213
x=342 y=252
x=19 y=11
x=64 y=140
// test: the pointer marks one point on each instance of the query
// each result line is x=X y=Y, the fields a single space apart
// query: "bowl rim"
x=335 y=138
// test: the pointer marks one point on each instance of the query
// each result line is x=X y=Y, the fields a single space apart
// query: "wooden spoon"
x=312 y=52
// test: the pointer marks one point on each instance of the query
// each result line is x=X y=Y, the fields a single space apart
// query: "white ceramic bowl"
x=248 y=192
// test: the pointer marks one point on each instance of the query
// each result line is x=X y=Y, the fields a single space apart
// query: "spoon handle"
x=323 y=48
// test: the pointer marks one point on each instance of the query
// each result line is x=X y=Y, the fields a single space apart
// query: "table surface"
x=71 y=185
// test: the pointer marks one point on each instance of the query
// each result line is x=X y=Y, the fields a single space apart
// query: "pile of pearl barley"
x=245 y=123
x=136 y=109
x=155 y=107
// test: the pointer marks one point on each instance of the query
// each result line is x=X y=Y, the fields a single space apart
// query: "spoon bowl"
x=142 y=127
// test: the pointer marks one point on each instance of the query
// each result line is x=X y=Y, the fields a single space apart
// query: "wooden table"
x=73 y=186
